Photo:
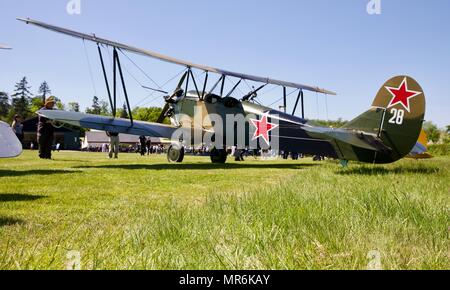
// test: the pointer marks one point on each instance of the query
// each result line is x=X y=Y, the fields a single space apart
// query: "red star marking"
x=402 y=95
x=263 y=127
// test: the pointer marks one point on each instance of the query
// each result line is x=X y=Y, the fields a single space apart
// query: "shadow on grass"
x=19 y=197
x=386 y=171
x=7 y=221
x=14 y=173
x=199 y=166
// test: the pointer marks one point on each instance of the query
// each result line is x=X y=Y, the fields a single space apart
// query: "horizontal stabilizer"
x=355 y=138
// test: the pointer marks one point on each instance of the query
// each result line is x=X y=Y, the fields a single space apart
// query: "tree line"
x=24 y=103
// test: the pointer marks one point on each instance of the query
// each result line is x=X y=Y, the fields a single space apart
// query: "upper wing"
x=4 y=46
x=10 y=146
x=109 y=124
x=173 y=60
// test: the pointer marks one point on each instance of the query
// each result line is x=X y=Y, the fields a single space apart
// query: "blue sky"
x=333 y=44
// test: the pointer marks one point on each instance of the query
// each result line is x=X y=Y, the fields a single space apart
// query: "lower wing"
x=110 y=124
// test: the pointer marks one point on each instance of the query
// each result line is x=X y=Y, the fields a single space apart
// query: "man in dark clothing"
x=149 y=146
x=45 y=131
x=143 y=141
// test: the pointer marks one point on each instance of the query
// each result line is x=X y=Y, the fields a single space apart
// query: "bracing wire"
x=157 y=97
x=317 y=105
x=90 y=68
x=159 y=87
x=233 y=84
x=280 y=99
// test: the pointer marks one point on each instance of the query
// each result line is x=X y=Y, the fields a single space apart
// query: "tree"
x=44 y=91
x=124 y=112
x=432 y=131
x=4 y=105
x=99 y=107
x=74 y=107
x=95 y=109
x=59 y=104
x=21 y=98
x=104 y=108
x=148 y=114
x=36 y=104
x=332 y=124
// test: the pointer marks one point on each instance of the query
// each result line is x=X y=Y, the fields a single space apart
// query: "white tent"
x=96 y=139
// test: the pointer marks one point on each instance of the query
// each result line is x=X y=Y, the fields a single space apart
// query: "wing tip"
x=23 y=19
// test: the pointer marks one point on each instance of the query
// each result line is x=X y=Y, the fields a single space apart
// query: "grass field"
x=142 y=213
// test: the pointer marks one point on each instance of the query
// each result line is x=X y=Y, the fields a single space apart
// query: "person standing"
x=17 y=127
x=114 y=144
x=148 y=144
x=143 y=146
x=46 y=131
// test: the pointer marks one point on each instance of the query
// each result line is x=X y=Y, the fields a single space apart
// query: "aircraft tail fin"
x=396 y=116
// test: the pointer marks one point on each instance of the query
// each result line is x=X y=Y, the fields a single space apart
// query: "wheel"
x=219 y=156
x=175 y=154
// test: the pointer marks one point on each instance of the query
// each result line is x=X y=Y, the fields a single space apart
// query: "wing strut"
x=300 y=97
x=113 y=98
x=117 y=64
x=113 y=108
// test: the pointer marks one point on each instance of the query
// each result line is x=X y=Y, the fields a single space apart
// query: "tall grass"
x=137 y=214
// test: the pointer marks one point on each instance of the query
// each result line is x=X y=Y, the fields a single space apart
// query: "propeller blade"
x=163 y=114
x=180 y=83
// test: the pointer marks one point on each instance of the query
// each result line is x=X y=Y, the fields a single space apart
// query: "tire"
x=175 y=154
x=219 y=156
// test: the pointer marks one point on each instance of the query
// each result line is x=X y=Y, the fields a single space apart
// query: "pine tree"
x=21 y=98
x=44 y=91
x=124 y=112
x=4 y=105
x=95 y=109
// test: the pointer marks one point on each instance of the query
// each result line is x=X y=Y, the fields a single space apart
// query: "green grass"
x=142 y=213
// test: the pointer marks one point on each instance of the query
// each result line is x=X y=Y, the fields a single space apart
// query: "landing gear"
x=175 y=154
x=219 y=156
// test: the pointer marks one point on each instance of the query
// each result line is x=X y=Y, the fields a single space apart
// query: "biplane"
x=211 y=116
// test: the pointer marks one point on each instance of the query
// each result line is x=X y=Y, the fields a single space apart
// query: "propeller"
x=172 y=99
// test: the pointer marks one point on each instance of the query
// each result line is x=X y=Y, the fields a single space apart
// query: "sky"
x=336 y=45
